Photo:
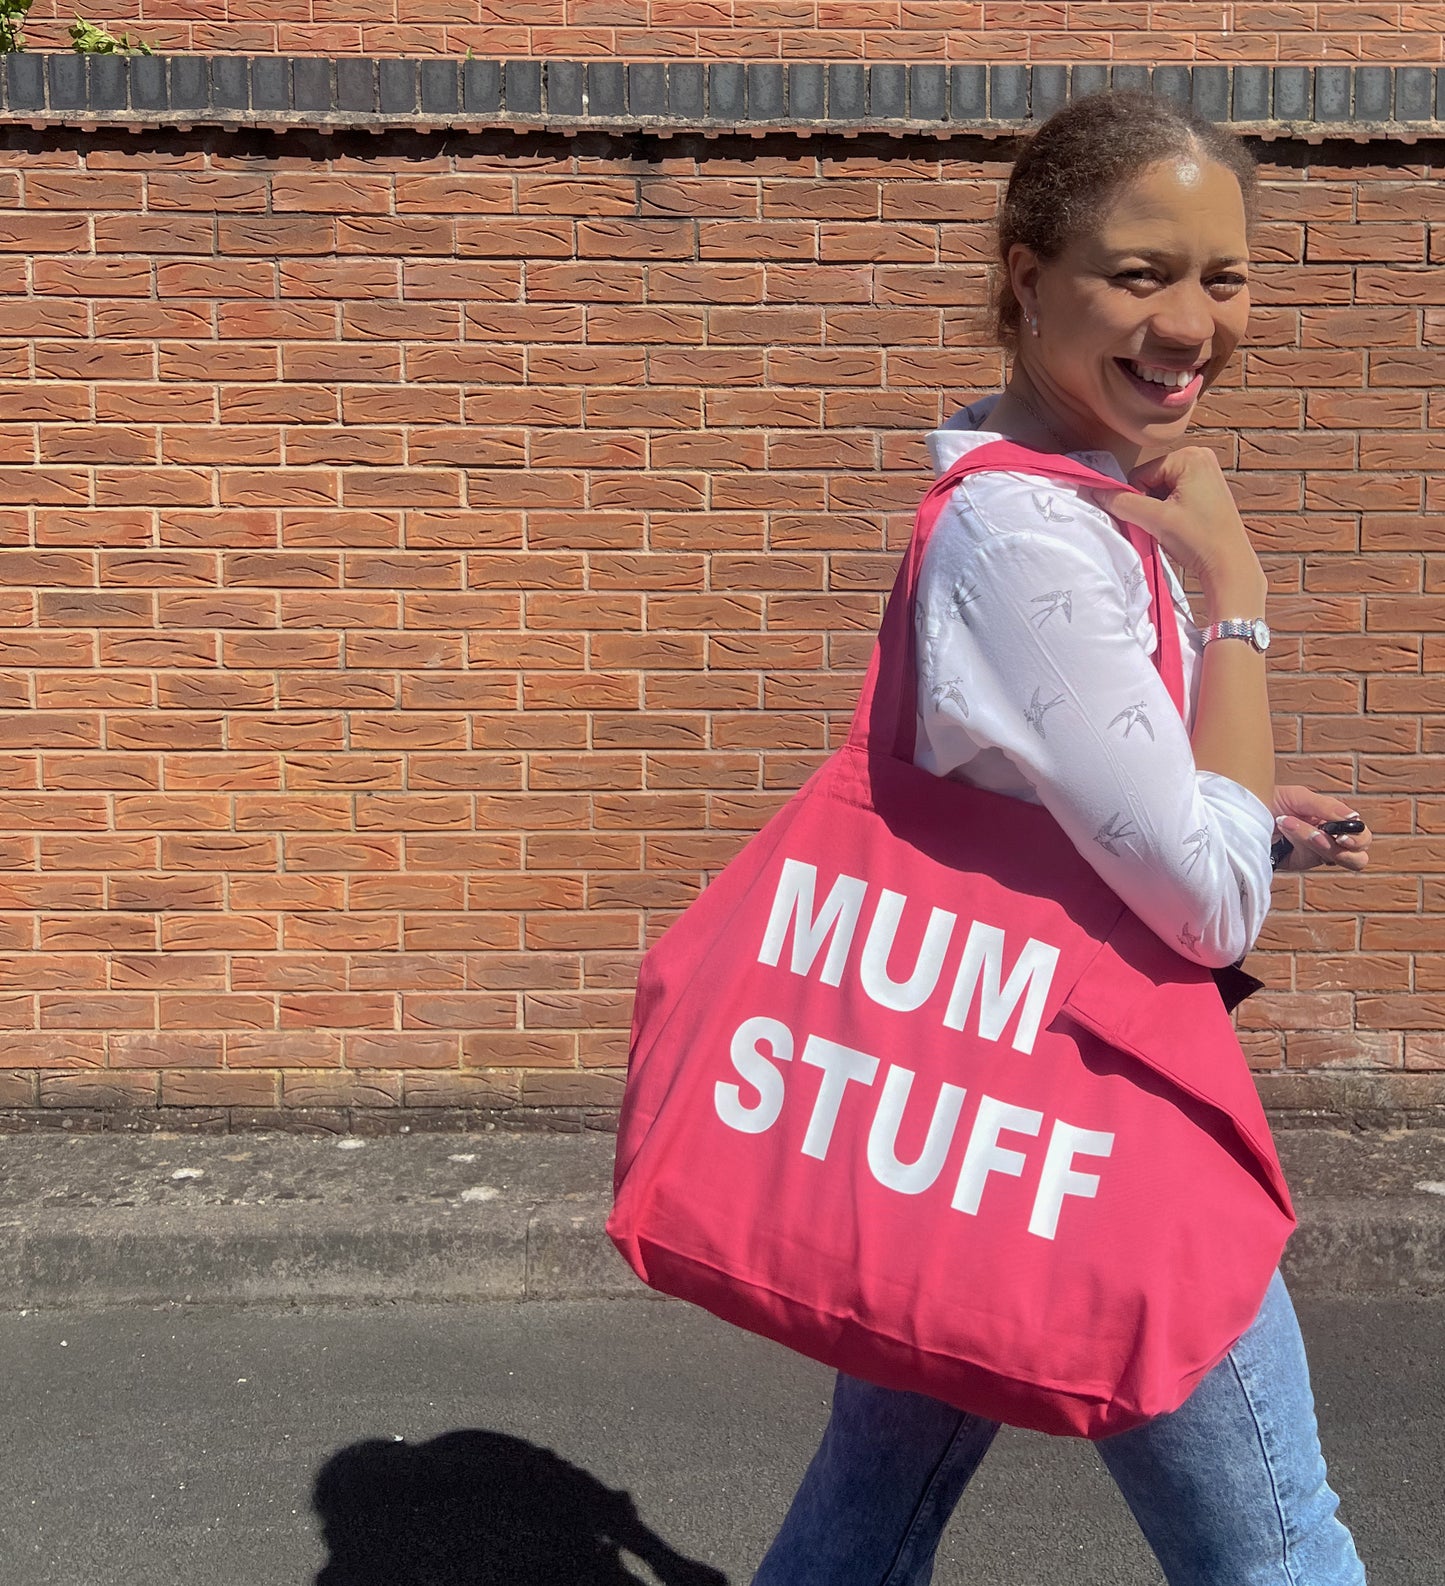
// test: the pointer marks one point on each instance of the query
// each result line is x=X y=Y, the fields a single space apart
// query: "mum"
x=980 y=965
x=1123 y=292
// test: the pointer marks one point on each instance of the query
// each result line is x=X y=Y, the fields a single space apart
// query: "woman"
x=1124 y=293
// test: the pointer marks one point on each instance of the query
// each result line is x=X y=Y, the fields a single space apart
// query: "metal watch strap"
x=1253 y=630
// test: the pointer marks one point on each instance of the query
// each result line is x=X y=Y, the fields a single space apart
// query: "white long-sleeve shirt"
x=1035 y=680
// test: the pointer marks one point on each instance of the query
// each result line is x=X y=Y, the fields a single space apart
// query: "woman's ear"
x=1023 y=275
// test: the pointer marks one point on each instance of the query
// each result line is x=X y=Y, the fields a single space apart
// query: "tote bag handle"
x=885 y=720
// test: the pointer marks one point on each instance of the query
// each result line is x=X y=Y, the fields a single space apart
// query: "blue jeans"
x=1229 y=1489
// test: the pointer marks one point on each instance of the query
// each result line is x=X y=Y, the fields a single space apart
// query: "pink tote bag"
x=913 y=1093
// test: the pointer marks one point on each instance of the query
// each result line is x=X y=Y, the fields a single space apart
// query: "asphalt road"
x=209 y=1447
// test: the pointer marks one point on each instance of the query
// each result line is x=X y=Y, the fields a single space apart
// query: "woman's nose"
x=1185 y=314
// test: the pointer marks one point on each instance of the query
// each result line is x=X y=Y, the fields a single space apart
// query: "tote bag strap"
x=885 y=719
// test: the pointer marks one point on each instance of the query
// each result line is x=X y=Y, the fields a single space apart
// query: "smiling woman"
x=1042 y=674
x=1157 y=291
x=1123 y=295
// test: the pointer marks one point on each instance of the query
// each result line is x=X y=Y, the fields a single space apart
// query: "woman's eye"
x=1227 y=285
x=1137 y=277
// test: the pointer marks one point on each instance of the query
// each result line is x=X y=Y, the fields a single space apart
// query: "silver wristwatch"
x=1253 y=630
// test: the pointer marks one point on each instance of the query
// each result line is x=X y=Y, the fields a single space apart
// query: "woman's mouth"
x=1168 y=388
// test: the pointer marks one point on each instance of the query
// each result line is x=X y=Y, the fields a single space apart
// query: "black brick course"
x=400 y=90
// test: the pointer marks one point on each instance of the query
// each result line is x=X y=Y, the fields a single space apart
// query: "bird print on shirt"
x=962 y=598
x=1134 y=716
x=1187 y=939
x=1055 y=601
x=951 y=693
x=1048 y=507
x=1038 y=708
x=1114 y=830
x=1197 y=842
x=1133 y=588
x=930 y=625
x=930 y=630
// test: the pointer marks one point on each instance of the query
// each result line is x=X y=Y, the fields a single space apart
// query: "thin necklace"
x=1037 y=417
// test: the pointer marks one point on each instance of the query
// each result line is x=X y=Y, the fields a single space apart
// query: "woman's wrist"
x=1236 y=592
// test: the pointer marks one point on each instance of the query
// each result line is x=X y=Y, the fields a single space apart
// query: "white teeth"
x=1175 y=379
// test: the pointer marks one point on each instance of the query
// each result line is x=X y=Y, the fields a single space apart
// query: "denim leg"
x=874 y=1502
x=1230 y=1489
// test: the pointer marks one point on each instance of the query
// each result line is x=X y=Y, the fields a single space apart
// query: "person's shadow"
x=474 y=1508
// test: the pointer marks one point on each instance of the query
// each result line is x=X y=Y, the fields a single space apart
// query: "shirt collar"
x=968 y=428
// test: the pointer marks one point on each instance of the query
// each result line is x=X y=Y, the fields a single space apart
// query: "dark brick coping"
x=1314 y=102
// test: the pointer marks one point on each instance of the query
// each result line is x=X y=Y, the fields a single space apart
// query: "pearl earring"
x=1034 y=324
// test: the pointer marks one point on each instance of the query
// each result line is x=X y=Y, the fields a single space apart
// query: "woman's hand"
x=1188 y=508
x=1299 y=813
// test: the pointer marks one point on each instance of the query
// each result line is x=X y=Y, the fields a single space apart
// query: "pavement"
x=576 y=1443
x=114 y=1218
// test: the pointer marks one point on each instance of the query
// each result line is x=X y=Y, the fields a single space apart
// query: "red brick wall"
x=443 y=556
x=916 y=30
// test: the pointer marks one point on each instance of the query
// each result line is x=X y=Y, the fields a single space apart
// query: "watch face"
x=1260 y=630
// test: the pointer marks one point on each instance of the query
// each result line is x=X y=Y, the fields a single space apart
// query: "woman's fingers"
x=1315 y=847
x=1184 y=501
x=1290 y=798
x=1160 y=474
x=1300 y=813
x=1142 y=511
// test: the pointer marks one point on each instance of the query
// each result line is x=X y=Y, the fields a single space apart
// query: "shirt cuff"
x=1219 y=789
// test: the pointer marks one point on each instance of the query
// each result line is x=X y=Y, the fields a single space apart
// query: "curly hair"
x=1080 y=157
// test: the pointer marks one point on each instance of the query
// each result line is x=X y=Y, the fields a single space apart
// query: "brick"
x=567 y=1089
x=146 y=971
x=218 y=1089
x=109 y=1092
x=282 y=1050
x=404 y=1050
x=1378 y=240
x=149 y=1049
x=225 y=933
x=1359 y=327
x=1399 y=201
x=216 y=1011
x=480 y=1092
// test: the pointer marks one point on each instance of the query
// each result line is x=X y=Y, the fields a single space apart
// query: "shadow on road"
x=474 y=1508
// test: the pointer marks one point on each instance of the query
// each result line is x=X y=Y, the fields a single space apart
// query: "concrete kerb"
x=241 y=1255
x=103 y=1220
x=123 y=1219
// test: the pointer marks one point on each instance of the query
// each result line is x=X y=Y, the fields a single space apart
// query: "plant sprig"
x=89 y=38
x=12 y=19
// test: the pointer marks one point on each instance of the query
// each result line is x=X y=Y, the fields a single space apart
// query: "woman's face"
x=1138 y=318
